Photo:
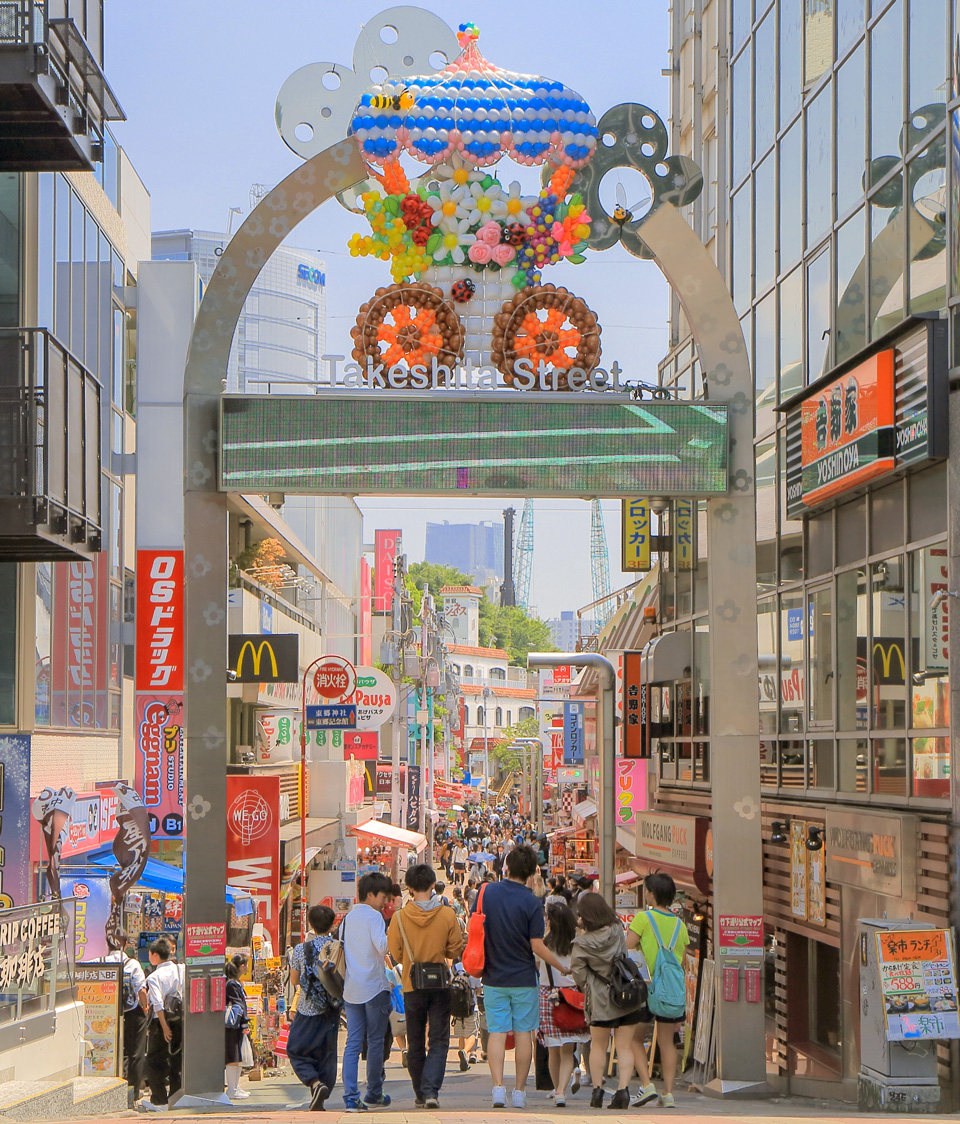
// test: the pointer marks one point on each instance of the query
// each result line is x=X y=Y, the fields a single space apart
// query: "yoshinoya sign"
x=878 y=853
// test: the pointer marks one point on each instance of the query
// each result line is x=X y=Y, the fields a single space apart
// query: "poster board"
x=918 y=979
x=100 y=987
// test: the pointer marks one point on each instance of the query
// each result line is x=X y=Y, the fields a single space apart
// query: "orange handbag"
x=473 y=954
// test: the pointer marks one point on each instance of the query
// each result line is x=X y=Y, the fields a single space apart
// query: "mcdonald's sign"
x=889 y=665
x=264 y=659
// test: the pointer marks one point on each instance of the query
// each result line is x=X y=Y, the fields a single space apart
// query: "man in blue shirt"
x=513 y=937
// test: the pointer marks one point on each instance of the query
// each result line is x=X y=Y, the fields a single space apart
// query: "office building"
x=472 y=548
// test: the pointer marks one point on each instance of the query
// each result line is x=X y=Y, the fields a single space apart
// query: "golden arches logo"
x=887 y=652
x=257 y=656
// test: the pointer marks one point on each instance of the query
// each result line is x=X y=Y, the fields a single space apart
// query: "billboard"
x=15 y=823
x=253 y=845
x=159 y=620
x=634 y=536
x=498 y=443
x=573 y=733
x=264 y=659
x=386 y=548
x=158 y=738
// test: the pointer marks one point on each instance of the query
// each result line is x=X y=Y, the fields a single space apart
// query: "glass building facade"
x=828 y=132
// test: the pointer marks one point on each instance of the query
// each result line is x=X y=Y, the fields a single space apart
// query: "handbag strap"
x=403 y=936
x=479 y=909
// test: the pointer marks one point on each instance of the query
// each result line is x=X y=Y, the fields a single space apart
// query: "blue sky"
x=199 y=79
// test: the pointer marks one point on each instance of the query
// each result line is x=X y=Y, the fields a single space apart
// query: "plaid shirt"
x=318 y=1002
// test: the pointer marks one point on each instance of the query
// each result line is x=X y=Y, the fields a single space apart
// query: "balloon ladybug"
x=513 y=234
x=463 y=290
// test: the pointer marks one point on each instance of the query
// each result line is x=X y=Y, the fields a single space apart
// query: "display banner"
x=158 y=733
x=918 y=979
x=386 y=548
x=413 y=798
x=634 y=705
x=685 y=534
x=253 y=845
x=80 y=648
x=100 y=989
x=159 y=621
x=88 y=927
x=631 y=789
x=573 y=734
x=366 y=612
x=634 y=535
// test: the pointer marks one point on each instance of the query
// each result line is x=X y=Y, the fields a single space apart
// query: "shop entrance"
x=814 y=999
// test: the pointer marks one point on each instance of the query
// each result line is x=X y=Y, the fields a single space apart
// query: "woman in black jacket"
x=235 y=996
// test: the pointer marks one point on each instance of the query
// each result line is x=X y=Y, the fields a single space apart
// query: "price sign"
x=919 y=985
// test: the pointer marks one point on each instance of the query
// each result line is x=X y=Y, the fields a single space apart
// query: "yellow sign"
x=257 y=656
x=635 y=531
x=684 y=539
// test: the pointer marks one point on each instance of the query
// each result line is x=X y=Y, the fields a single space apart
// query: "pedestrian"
x=234 y=1035
x=425 y=934
x=136 y=1009
x=366 y=992
x=439 y=891
x=312 y=1042
x=459 y=907
x=459 y=863
x=560 y=1044
x=471 y=895
x=584 y=885
x=164 y=1061
x=513 y=938
x=659 y=891
x=599 y=942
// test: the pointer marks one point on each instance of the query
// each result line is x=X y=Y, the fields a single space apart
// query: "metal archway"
x=731 y=580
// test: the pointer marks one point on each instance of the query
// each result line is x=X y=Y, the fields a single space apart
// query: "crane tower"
x=599 y=564
x=525 y=555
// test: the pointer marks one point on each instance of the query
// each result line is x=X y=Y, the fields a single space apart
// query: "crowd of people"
x=550 y=949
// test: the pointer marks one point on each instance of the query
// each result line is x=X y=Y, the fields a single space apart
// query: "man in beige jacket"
x=425 y=931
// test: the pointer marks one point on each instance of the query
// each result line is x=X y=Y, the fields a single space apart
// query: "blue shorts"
x=511 y=1008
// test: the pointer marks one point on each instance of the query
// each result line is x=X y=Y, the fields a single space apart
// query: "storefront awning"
x=585 y=809
x=389 y=834
x=157 y=876
x=626 y=878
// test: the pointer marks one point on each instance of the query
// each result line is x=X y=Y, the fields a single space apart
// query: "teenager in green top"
x=659 y=891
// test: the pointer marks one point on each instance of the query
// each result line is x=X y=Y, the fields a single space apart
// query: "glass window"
x=820 y=544
x=851 y=317
x=819 y=177
x=44 y=626
x=791 y=198
x=790 y=59
x=852 y=650
x=62 y=250
x=820 y=754
x=852 y=531
x=818 y=314
x=851 y=131
x=742 y=19
x=852 y=755
x=792 y=674
x=77 y=223
x=766 y=484
x=499 y=718
x=742 y=248
x=927 y=243
x=818 y=39
x=888 y=649
x=927 y=509
x=791 y=334
x=929 y=639
x=931 y=767
x=765 y=84
x=742 y=158
x=928 y=65
x=701 y=678
x=766 y=253
x=91 y=270
x=10 y=250
x=886 y=84
x=887 y=255
x=8 y=643
x=886 y=524
x=890 y=766
x=45 y=266
x=765 y=361
x=849 y=22
x=820 y=613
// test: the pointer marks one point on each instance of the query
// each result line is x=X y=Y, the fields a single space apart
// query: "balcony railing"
x=50 y=431
x=516 y=677
x=54 y=96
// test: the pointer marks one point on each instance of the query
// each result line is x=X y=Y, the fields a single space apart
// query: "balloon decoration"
x=477 y=110
x=549 y=325
x=406 y=325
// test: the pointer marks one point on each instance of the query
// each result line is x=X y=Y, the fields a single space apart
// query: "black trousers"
x=428 y=1015
x=135 y=1029
x=164 y=1062
x=312 y=1048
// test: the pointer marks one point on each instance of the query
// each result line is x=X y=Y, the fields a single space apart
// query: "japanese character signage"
x=919 y=983
x=413 y=798
x=205 y=943
x=634 y=705
x=100 y=988
x=739 y=936
x=159 y=762
x=30 y=940
x=573 y=734
x=159 y=620
x=684 y=534
x=635 y=532
x=631 y=789
x=874 y=852
x=340 y=717
x=81 y=644
x=386 y=548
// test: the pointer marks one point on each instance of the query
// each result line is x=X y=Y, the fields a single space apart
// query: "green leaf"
x=433 y=242
x=576 y=258
x=575 y=199
x=392 y=204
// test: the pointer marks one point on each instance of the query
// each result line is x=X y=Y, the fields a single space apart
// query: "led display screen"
x=476 y=444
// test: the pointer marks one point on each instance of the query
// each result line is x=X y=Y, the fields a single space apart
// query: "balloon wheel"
x=405 y=326
x=549 y=325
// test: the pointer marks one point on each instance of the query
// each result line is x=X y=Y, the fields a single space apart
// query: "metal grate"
x=10 y=23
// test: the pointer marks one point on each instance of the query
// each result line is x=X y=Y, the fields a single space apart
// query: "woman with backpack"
x=598 y=945
x=560 y=1043
x=663 y=939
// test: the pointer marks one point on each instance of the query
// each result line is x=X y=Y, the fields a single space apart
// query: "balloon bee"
x=403 y=100
x=621 y=214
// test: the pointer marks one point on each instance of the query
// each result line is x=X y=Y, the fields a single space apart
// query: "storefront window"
x=931 y=767
x=765 y=84
x=701 y=671
x=770 y=676
x=890 y=766
x=888 y=680
x=820 y=620
x=850 y=132
x=8 y=643
x=791 y=206
x=792 y=676
x=852 y=650
x=852 y=755
x=821 y=764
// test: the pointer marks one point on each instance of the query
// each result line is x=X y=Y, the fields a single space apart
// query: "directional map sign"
x=482 y=443
x=339 y=717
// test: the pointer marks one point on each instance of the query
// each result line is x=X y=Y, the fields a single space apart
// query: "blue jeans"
x=365 y=1020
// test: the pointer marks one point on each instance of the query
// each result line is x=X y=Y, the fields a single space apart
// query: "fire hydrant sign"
x=918 y=979
x=740 y=936
x=335 y=678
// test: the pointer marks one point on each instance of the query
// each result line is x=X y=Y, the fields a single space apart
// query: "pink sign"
x=205 y=940
x=158 y=742
x=631 y=788
x=386 y=545
x=739 y=934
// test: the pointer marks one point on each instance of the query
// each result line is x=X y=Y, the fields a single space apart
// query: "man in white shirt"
x=135 y=1009
x=165 y=1040
x=366 y=992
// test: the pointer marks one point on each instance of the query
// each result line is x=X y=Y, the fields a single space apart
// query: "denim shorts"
x=511 y=1008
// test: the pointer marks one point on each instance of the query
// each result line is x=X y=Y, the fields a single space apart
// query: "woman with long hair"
x=600 y=941
x=234 y=1034
x=560 y=1044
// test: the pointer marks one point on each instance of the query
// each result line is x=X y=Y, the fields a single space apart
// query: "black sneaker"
x=620 y=1099
x=318 y=1096
x=596 y=1098
x=464 y=1064
x=355 y=1106
x=419 y=1103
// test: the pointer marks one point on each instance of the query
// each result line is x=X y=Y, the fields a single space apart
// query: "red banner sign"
x=361 y=744
x=160 y=620
x=386 y=545
x=253 y=845
x=78 y=658
x=159 y=763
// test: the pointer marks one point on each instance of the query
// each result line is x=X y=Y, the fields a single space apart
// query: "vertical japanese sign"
x=366 y=613
x=14 y=821
x=253 y=845
x=634 y=707
x=386 y=548
x=631 y=789
x=798 y=868
x=684 y=534
x=159 y=686
x=573 y=735
x=413 y=798
x=635 y=535
x=918 y=979
x=81 y=645
x=934 y=619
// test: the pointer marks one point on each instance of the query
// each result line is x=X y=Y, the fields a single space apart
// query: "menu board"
x=919 y=983
x=100 y=987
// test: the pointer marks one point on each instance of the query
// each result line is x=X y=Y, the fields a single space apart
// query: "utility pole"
x=508 y=594
x=397 y=724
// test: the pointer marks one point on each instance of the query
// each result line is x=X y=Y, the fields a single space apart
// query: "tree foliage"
x=513 y=759
x=506 y=626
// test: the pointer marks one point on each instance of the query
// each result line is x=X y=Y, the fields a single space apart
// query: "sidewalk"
x=465 y=1099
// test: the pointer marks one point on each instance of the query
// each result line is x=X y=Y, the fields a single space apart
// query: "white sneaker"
x=519 y=1098
x=239 y=1095
x=499 y=1094
x=560 y=1100
x=644 y=1095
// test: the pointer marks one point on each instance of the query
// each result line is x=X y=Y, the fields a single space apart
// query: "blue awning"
x=156 y=875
